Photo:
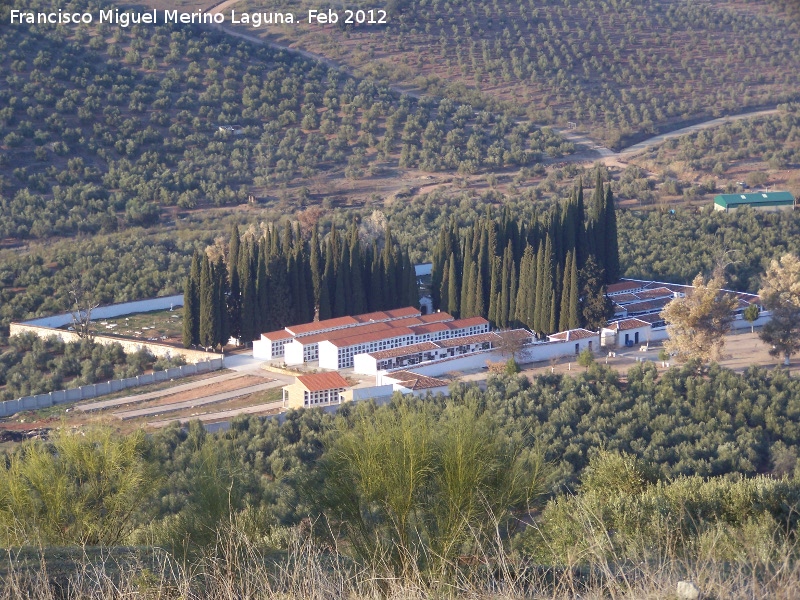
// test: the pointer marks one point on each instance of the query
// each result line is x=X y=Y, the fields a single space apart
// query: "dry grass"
x=236 y=569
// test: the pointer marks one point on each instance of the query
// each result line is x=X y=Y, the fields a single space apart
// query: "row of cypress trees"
x=548 y=275
x=266 y=281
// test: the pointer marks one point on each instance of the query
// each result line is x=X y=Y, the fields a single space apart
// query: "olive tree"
x=780 y=294
x=698 y=321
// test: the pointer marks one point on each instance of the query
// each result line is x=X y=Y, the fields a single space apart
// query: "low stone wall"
x=128 y=345
x=9 y=407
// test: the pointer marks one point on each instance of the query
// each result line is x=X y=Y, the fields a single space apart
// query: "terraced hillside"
x=103 y=127
x=621 y=69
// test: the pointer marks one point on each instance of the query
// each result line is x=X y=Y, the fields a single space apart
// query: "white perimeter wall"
x=548 y=350
x=113 y=310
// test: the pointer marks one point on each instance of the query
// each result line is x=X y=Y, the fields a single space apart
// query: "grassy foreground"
x=237 y=568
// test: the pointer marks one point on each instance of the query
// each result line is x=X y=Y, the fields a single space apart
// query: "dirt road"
x=196 y=402
x=223 y=415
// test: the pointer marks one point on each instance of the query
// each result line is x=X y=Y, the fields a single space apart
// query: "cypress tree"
x=438 y=268
x=208 y=305
x=316 y=267
x=494 y=290
x=581 y=242
x=505 y=288
x=377 y=279
x=247 y=278
x=574 y=297
x=329 y=278
x=599 y=222
x=548 y=314
x=341 y=287
x=324 y=310
x=537 y=322
x=526 y=292
x=612 y=243
x=235 y=296
x=453 y=290
x=358 y=302
x=563 y=315
x=191 y=311
x=367 y=264
x=478 y=309
x=222 y=291
x=263 y=310
x=512 y=294
x=294 y=274
x=410 y=276
x=467 y=286
x=279 y=295
x=190 y=314
x=444 y=286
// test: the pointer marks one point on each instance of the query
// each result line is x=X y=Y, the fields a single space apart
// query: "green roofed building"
x=760 y=200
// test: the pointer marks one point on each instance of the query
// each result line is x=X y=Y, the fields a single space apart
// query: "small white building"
x=626 y=333
x=579 y=339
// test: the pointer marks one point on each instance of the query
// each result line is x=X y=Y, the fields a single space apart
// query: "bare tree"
x=511 y=342
x=82 y=307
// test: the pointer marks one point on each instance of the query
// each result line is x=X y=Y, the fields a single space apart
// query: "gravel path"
x=202 y=401
x=222 y=415
x=136 y=398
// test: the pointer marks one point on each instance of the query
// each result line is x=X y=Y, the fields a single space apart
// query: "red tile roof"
x=406 y=322
x=317 y=326
x=436 y=317
x=623 y=286
x=478 y=338
x=342 y=333
x=430 y=328
x=627 y=324
x=414 y=381
x=650 y=294
x=403 y=351
x=281 y=334
x=647 y=305
x=361 y=338
x=572 y=334
x=399 y=313
x=468 y=322
x=322 y=381
x=378 y=315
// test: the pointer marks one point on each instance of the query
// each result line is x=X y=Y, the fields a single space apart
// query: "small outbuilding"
x=318 y=389
x=626 y=333
x=772 y=201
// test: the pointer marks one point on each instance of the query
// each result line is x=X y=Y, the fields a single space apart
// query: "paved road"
x=223 y=414
x=135 y=398
x=202 y=401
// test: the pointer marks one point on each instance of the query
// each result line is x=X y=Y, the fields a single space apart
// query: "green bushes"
x=417 y=487
x=689 y=517
x=80 y=488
